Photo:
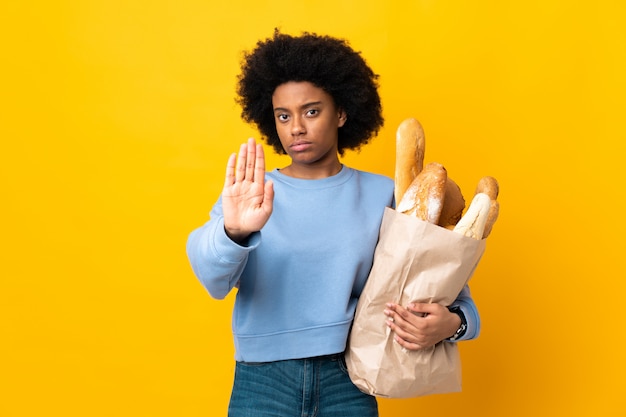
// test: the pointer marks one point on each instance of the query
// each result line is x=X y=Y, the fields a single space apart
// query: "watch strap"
x=462 y=328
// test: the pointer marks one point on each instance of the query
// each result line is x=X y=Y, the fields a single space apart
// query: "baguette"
x=425 y=196
x=490 y=186
x=472 y=224
x=410 y=148
x=494 y=212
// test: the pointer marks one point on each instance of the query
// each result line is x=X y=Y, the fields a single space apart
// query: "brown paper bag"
x=414 y=261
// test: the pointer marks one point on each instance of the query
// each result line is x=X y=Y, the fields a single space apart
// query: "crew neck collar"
x=343 y=175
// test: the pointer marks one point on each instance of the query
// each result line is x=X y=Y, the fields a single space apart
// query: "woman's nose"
x=297 y=127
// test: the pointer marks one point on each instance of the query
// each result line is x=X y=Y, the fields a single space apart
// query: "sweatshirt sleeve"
x=216 y=260
x=468 y=307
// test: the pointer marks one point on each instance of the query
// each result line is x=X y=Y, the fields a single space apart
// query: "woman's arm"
x=216 y=260
x=421 y=325
x=218 y=251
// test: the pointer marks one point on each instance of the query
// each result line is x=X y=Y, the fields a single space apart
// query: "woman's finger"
x=250 y=159
x=405 y=338
x=230 y=170
x=259 y=169
x=240 y=171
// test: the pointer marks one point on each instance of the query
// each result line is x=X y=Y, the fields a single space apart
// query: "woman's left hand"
x=421 y=325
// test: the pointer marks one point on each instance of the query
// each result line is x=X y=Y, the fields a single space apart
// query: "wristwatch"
x=462 y=328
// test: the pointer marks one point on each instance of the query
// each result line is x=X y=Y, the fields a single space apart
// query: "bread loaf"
x=453 y=205
x=472 y=224
x=494 y=212
x=425 y=196
x=490 y=186
x=427 y=192
x=410 y=147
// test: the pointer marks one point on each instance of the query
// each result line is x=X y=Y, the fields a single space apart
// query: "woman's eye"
x=282 y=117
x=312 y=112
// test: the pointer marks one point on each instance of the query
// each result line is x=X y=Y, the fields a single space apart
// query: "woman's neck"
x=312 y=171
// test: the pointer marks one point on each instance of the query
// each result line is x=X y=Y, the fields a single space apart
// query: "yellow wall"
x=116 y=120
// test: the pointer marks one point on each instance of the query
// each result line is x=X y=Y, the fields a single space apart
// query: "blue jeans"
x=311 y=387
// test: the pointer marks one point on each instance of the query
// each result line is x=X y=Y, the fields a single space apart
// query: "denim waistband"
x=331 y=357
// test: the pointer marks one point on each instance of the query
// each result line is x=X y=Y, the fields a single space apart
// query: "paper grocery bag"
x=414 y=261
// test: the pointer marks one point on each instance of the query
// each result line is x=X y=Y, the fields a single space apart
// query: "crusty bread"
x=425 y=196
x=494 y=212
x=410 y=147
x=427 y=193
x=489 y=186
x=472 y=224
x=453 y=205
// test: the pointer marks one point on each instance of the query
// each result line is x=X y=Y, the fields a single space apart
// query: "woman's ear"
x=342 y=117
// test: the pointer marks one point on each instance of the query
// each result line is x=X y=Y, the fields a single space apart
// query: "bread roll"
x=472 y=224
x=453 y=205
x=425 y=196
x=410 y=147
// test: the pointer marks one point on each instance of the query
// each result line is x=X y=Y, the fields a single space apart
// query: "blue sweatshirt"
x=300 y=277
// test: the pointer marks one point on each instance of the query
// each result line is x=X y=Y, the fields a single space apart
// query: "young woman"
x=297 y=243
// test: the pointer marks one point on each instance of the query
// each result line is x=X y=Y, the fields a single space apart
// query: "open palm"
x=247 y=200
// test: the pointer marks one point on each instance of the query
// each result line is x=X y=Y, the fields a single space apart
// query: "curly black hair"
x=327 y=62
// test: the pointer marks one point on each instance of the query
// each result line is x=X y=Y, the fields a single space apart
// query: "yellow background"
x=116 y=120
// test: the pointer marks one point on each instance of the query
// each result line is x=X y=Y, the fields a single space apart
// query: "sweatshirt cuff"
x=227 y=249
x=473 y=325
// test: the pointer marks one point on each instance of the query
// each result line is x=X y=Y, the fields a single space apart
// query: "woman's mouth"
x=300 y=146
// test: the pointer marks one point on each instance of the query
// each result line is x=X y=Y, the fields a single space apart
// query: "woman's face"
x=307 y=122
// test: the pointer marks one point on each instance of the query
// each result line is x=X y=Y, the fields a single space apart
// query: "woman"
x=298 y=242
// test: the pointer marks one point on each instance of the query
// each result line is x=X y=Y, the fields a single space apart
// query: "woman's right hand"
x=247 y=200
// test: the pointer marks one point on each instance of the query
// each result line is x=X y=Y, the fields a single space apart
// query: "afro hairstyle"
x=328 y=63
